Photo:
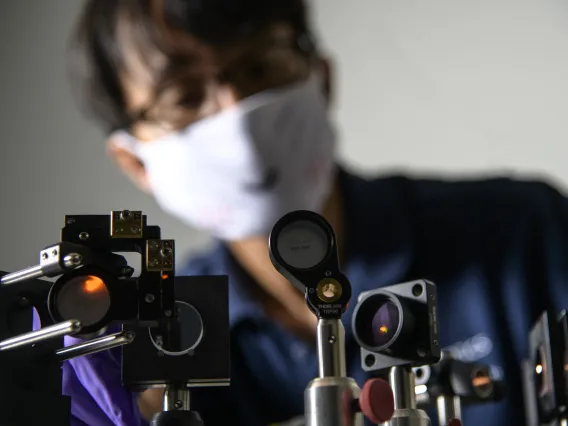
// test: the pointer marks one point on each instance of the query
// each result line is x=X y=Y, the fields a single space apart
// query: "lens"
x=378 y=322
x=482 y=383
x=84 y=298
x=182 y=335
x=385 y=323
x=303 y=244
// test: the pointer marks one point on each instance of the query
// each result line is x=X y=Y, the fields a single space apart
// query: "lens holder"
x=547 y=347
x=303 y=249
x=405 y=336
x=67 y=301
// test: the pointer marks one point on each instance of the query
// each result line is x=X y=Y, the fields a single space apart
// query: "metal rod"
x=70 y=261
x=176 y=398
x=449 y=407
x=23 y=275
x=401 y=380
x=42 y=335
x=423 y=399
x=331 y=348
x=96 y=345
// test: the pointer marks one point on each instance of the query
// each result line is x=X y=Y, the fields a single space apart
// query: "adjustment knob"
x=377 y=401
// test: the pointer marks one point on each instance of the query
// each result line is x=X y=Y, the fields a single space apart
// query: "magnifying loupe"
x=303 y=249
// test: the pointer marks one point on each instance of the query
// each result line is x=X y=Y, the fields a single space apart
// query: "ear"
x=129 y=164
x=326 y=70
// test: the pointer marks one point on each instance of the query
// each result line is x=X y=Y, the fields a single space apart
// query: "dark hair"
x=167 y=35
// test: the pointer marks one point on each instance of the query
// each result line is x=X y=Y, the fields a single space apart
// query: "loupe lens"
x=378 y=322
x=84 y=298
x=385 y=323
x=303 y=244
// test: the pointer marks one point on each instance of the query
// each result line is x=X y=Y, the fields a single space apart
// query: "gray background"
x=455 y=87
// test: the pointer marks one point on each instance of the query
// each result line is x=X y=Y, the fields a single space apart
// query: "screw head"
x=149 y=298
x=127 y=270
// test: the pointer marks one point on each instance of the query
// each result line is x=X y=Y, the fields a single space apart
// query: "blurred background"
x=447 y=87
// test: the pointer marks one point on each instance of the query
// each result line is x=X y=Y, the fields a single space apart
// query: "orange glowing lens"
x=384 y=329
x=93 y=284
x=481 y=381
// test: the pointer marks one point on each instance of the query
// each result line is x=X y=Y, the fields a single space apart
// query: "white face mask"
x=236 y=173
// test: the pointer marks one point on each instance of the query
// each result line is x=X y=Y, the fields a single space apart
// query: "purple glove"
x=94 y=384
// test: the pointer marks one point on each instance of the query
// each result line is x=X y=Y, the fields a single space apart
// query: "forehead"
x=157 y=57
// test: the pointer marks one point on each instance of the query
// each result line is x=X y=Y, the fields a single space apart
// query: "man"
x=218 y=108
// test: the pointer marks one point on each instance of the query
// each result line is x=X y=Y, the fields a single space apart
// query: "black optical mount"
x=303 y=249
x=396 y=328
x=452 y=384
x=164 y=320
x=545 y=371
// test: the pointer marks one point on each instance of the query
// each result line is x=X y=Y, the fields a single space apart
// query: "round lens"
x=84 y=298
x=182 y=334
x=303 y=244
x=385 y=323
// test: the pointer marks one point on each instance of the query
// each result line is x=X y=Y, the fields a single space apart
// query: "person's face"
x=139 y=92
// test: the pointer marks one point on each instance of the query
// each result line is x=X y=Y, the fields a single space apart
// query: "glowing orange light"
x=384 y=329
x=165 y=276
x=481 y=381
x=93 y=284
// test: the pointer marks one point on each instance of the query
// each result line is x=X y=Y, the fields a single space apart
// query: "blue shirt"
x=497 y=250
